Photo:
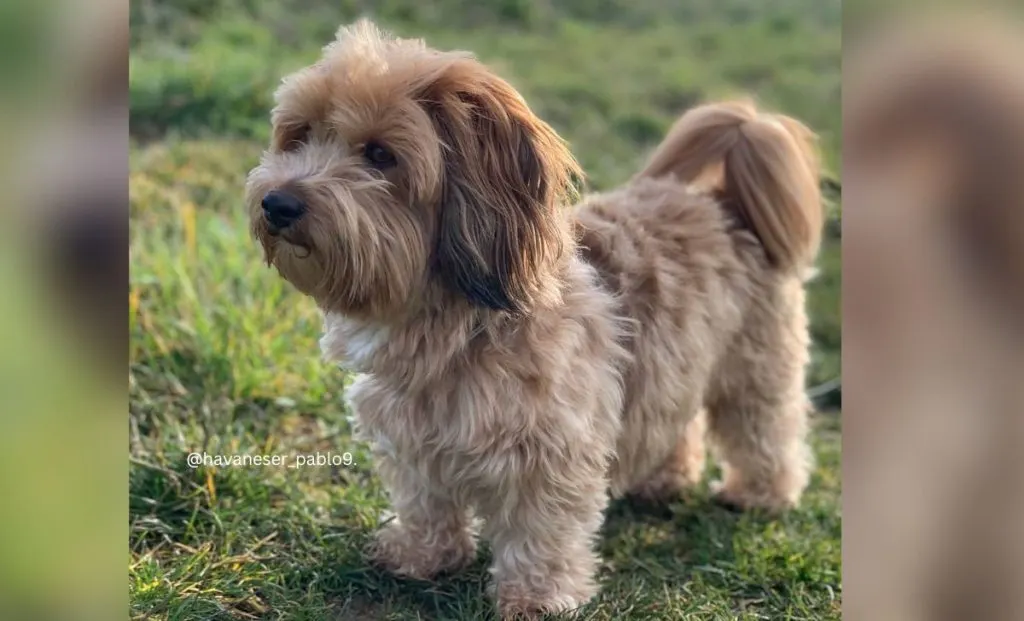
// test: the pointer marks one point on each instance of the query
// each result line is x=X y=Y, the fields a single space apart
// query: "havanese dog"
x=521 y=360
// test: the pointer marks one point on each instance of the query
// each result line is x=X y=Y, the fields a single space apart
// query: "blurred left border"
x=64 y=280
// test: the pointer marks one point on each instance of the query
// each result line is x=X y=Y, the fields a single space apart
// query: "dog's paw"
x=405 y=553
x=736 y=498
x=519 y=604
x=524 y=611
x=665 y=486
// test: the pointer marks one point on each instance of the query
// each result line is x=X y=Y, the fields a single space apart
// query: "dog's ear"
x=506 y=175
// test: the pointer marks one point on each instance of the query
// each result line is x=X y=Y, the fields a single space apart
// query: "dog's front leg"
x=430 y=534
x=543 y=539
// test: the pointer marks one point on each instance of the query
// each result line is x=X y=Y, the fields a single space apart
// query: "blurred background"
x=64 y=282
x=933 y=421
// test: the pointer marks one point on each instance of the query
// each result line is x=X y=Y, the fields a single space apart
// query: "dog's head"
x=399 y=176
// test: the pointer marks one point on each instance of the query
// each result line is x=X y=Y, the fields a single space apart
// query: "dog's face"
x=398 y=175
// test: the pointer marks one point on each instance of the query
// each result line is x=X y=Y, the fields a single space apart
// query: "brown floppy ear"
x=506 y=175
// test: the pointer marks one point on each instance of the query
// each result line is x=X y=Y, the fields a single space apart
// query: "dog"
x=520 y=361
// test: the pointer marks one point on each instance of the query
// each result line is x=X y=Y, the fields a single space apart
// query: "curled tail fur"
x=765 y=165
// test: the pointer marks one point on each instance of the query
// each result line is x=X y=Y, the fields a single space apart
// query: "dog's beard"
x=298 y=260
x=275 y=239
x=322 y=261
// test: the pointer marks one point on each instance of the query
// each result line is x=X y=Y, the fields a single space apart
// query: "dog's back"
x=707 y=249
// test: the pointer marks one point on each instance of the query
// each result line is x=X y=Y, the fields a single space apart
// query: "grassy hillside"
x=224 y=355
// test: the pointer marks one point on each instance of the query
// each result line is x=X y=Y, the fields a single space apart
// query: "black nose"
x=282 y=209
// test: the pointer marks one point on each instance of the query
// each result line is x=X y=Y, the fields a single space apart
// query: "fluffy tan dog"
x=520 y=362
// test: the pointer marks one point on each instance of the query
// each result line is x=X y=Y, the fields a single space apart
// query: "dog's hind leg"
x=682 y=469
x=758 y=408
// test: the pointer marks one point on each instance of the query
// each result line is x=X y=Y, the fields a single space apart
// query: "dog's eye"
x=378 y=156
x=295 y=138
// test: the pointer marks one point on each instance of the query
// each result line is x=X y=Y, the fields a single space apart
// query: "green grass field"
x=224 y=356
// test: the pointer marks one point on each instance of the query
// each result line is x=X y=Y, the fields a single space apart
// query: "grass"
x=223 y=352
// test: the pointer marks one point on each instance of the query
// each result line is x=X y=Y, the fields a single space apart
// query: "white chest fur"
x=352 y=343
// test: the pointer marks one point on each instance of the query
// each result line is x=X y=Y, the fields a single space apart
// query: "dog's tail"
x=765 y=165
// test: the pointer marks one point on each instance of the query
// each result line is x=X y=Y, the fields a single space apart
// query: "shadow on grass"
x=357 y=590
x=690 y=538
x=668 y=542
